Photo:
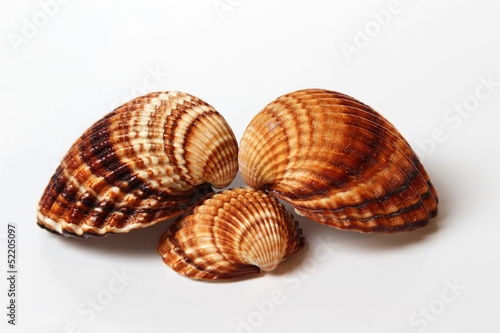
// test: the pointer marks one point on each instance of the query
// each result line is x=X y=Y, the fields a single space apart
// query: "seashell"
x=234 y=233
x=148 y=160
x=338 y=162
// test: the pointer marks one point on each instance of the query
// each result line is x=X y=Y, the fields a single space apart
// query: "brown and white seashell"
x=338 y=162
x=234 y=233
x=150 y=159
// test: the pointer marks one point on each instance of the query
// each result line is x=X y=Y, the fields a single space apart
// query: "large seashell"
x=338 y=162
x=234 y=233
x=150 y=159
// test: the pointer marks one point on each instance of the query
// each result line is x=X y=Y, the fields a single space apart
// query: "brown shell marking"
x=338 y=162
x=234 y=233
x=150 y=159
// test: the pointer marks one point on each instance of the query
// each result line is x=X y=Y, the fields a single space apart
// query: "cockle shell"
x=338 y=162
x=150 y=159
x=234 y=233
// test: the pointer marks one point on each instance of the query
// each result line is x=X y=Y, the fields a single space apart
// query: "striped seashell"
x=150 y=159
x=234 y=233
x=338 y=162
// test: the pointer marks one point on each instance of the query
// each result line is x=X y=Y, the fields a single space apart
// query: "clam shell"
x=338 y=162
x=150 y=159
x=234 y=233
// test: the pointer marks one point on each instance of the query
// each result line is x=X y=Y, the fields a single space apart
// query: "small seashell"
x=234 y=233
x=338 y=162
x=150 y=159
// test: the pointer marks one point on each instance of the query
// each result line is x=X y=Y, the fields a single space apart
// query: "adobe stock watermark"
x=425 y=315
x=364 y=35
x=265 y=308
x=150 y=82
x=31 y=26
x=222 y=7
x=94 y=304
x=455 y=116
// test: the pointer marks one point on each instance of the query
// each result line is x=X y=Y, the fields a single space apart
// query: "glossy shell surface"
x=150 y=159
x=234 y=233
x=338 y=162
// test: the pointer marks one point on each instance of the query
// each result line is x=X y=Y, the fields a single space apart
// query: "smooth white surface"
x=93 y=55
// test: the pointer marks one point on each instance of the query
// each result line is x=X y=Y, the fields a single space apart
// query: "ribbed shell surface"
x=150 y=159
x=338 y=162
x=234 y=233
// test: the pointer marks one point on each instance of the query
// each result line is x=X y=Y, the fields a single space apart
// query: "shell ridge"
x=381 y=151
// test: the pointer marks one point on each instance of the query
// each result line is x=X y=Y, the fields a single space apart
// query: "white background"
x=422 y=64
